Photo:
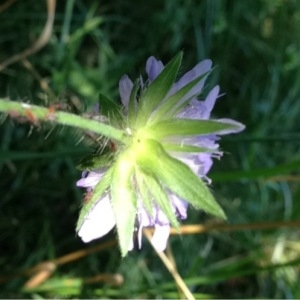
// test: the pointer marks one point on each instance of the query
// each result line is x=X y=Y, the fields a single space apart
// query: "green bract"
x=176 y=177
x=124 y=200
x=156 y=92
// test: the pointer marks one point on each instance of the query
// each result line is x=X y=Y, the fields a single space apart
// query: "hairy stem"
x=36 y=114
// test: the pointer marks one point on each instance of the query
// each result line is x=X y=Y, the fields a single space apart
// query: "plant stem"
x=36 y=114
x=179 y=281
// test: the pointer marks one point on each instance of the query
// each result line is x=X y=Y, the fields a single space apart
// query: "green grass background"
x=254 y=45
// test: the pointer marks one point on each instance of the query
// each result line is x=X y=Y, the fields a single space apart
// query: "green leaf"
x=98 y=192
x=109 y=107
x=170 y=106
x=123 y=197
x=144 y=191
x=177 y=177
x=157 y=90
x=161 y=198
x=185 y=127
x=95 y=161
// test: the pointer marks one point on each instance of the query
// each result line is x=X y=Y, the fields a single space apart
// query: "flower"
x=160 y=171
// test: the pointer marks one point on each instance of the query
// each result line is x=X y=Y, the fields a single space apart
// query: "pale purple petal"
x=144 y=220
x=199 y=163
x=144 y=217
x=188 y=159
x=194 y=110
x=180 y=206
x=125 y=87
x=200 y=69
x=206 y=163
x=160 y=237
x=153 y=68
x=90 y=181
x=205 y=141
x=161 y=217
x=200 y=110
x=210 y=101
x=99 y=221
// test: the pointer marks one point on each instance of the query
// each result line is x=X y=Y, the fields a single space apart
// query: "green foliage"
x=170 y=108
x=185 y=127
x=177 y=177
x=156 y=190
x=157 y=91
x=255 y=45
x=124 y=201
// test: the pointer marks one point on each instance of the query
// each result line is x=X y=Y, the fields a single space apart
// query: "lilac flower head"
x=173 y=141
